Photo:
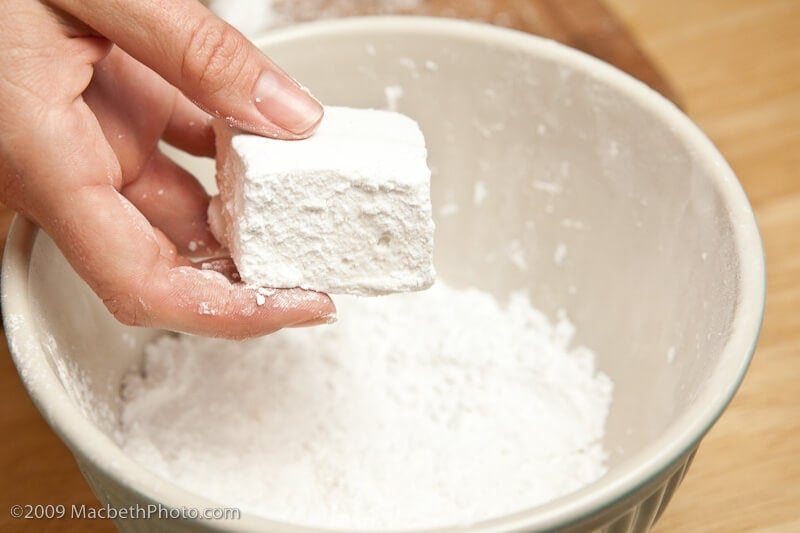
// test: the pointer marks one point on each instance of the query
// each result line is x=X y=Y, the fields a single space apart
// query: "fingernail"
x=328 y=319
x=285 y=103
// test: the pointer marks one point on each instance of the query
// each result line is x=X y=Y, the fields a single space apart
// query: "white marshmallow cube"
x=347 y=210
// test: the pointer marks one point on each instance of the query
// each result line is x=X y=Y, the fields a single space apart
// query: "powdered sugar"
x=415 y=410
x=393 y=95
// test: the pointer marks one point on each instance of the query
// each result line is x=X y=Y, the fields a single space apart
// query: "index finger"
x=208 y=60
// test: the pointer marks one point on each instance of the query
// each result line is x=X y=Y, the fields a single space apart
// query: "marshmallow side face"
x=345 y=211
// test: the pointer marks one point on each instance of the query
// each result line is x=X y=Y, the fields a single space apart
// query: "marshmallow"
x=347 y=210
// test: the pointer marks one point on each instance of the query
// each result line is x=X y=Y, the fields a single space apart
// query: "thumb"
x=208 y=60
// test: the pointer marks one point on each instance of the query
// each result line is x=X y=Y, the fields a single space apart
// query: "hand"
x=82 y=116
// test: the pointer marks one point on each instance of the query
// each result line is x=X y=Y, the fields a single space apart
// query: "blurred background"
x=734 y=67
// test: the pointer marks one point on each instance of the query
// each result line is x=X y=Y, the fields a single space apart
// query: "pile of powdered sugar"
x=414 y=410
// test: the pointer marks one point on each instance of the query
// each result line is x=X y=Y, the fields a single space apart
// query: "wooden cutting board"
x=38 y=469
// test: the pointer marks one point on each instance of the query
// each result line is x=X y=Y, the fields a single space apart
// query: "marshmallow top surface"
x=388 y=146
x=344 y=211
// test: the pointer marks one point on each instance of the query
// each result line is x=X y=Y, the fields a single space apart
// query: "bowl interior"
x=551 y=173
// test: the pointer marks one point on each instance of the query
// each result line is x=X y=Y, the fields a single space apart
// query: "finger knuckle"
x=214 y=56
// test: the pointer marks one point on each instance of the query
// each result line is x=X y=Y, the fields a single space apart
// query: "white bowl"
x=601 y=198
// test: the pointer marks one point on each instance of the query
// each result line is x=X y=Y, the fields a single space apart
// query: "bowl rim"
x=92 y=446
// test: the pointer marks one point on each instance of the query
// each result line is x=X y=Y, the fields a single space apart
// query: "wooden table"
x=734 y=65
